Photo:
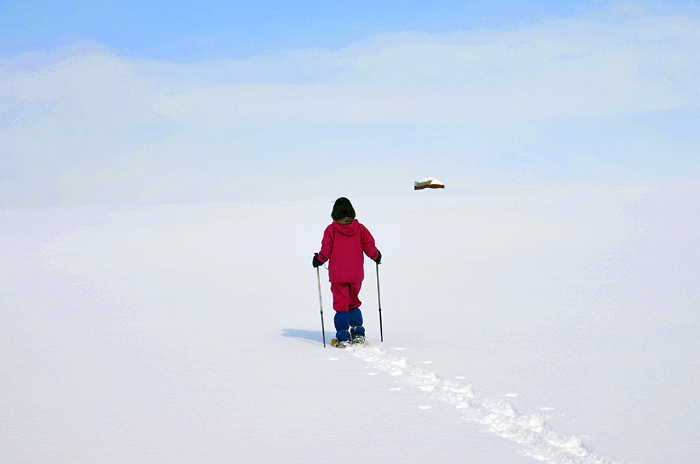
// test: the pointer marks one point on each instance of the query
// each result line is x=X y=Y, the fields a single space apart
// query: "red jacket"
x=344 y=245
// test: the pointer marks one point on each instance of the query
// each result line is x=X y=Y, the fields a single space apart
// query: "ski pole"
x=320 y=302
x=379 y=301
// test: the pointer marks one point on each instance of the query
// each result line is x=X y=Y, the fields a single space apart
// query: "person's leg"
x=355 y=321
x=341 y=298
x=342 y=326
x=354 y=312
x=353 y=295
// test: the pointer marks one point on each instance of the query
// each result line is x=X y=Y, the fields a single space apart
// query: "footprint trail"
x=536 y=438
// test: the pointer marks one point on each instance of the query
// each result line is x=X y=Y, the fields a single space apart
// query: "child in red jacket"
x=345 y=242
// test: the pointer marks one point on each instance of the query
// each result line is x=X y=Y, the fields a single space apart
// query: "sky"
x=126 y=102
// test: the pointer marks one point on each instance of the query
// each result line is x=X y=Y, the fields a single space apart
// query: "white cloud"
x=559 y=69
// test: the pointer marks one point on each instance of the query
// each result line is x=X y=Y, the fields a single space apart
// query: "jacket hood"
x=346 y=229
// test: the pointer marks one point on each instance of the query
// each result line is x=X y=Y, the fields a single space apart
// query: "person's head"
x=342 y=209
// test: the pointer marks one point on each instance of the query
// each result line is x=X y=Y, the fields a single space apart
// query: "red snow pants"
x=345 y=295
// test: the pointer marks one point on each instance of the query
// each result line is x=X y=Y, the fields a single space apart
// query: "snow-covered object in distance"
x=428 y=182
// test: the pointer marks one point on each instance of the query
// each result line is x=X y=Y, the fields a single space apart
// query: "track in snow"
x=536 y=438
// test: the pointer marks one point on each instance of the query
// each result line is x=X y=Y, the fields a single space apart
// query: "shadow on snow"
x=309 y=335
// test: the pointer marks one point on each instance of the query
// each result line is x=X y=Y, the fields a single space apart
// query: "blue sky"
x=189 y=31
x=120 y=102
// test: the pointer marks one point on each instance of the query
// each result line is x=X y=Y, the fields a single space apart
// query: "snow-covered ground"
x=558 y=324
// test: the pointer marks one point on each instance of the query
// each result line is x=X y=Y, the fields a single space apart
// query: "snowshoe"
x=359 y=340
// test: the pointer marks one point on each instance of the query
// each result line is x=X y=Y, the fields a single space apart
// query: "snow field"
x=537 y=438
x=551 y=324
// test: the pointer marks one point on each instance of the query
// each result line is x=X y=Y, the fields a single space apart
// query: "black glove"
x=379 y=257
x=316 y=262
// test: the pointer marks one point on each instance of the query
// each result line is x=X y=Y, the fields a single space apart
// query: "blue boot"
x=342 y=327
x=357 y=332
